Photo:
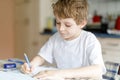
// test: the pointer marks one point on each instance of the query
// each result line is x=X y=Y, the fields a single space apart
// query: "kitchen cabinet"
x=110 y=49
x=6 y=29
x=19 y=28
x=26 y=28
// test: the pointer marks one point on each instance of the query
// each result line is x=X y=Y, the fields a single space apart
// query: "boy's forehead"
x=64 y=19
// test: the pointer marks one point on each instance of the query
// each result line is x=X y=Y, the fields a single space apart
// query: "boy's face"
x=68 y=28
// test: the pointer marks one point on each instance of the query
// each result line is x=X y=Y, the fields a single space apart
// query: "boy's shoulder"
x=87 y=33
x=55 y=36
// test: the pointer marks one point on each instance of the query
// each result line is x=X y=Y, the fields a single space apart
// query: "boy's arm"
x=93 y=71
x=37 y=60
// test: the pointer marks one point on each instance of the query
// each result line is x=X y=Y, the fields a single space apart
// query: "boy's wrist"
x=61 y=73
x=34 y=64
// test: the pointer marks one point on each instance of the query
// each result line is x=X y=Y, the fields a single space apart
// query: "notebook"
x=18 y=75
x=14 y=75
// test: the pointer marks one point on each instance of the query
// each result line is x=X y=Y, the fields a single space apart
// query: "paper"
x=12 y=75
x=17 y=75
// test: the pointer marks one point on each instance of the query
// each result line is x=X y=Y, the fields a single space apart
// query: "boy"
x=77 y=53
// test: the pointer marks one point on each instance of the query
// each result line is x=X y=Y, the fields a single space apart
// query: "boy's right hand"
x=26 y=69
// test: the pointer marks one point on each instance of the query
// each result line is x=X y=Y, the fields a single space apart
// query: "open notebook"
x=17 y=75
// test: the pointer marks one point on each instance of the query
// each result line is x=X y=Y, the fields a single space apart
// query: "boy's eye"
x=68 y=25
x=57 y=22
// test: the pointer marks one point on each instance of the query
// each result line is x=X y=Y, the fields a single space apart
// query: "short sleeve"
x=46 y=51
x=95 y=53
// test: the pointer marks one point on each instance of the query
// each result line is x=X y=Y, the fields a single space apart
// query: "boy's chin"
x=66 y=38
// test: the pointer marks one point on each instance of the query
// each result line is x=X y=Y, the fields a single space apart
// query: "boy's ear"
x=83 y=23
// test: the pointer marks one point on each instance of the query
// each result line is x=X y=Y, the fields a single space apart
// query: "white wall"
x=45 y=12
x=103 y=7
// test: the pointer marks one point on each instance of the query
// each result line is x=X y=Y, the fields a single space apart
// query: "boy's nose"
x=62 y=28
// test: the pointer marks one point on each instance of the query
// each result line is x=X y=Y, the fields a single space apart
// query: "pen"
x=27 y=60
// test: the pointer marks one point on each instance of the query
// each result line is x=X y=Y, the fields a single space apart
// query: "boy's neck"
x=77 y=35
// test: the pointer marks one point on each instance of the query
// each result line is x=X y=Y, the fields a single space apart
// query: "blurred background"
x=25 y=25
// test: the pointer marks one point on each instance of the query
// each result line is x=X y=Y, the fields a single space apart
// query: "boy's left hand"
x=49 y=74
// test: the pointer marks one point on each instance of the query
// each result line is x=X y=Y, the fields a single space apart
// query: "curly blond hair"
x=76 y=9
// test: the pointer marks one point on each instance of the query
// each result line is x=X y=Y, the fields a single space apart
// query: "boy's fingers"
x=25 y=68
